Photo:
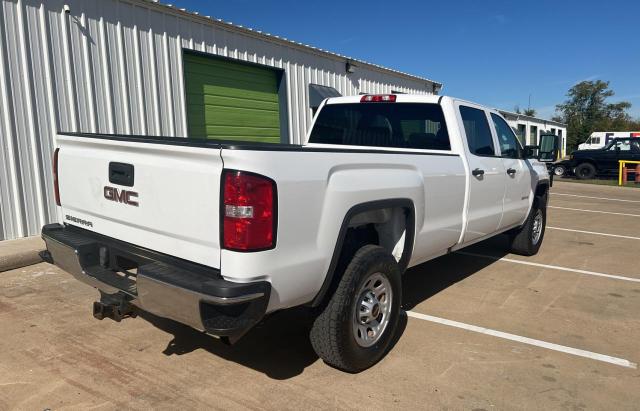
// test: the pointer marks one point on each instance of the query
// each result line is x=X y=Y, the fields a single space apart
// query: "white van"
x=599 y=139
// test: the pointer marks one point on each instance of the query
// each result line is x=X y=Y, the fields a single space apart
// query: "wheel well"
x=389 y=224
x=385 y=227
x=587 y=162
x=542 y=192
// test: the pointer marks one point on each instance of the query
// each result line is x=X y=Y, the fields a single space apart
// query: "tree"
x=531 y=112
x=586 y=110
x=516 y=109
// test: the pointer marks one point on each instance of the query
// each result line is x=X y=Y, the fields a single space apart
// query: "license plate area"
x=114 y=267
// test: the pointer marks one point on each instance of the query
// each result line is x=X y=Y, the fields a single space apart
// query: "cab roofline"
x=400 y=98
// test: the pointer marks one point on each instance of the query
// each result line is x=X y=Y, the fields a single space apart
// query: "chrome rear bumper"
x=162 y=285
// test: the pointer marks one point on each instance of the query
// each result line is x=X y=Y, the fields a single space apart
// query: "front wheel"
x=559 y=170
x=585 y=171
x=357 y=326
x=527 y=239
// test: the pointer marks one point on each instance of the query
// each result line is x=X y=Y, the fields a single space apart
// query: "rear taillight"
x=249 y=211
x=378 y=98
x=56 y=187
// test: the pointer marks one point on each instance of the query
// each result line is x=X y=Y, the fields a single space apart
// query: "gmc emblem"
x=120 y=196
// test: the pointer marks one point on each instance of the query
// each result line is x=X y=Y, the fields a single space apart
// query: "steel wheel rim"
x=537 y=227
x=585 y=172
x=372 y=310
x=558 y=171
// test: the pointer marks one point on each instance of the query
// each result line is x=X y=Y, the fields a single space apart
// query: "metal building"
x=126 y=67
x=529 y=129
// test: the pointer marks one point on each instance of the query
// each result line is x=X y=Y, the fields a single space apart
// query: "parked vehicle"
x=599 y=139
x=590 y=163
x=217 y=235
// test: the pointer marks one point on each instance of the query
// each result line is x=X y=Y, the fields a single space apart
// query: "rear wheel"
x=559 y=170
x=585 y=171
x=527 y=239
x=357 y=326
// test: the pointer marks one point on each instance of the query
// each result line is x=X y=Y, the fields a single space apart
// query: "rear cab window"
x=397 y=125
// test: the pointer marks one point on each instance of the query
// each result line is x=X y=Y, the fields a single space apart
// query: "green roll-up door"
x=231 y=101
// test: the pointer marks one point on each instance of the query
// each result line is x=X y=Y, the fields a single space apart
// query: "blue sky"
x=493 y=52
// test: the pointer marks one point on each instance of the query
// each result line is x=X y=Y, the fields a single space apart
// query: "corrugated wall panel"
x=10 y=206
x=115 y=66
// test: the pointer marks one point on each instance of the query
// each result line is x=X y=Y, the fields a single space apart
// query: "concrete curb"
x=20 y=253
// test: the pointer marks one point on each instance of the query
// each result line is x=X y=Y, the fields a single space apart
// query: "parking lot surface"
x=483 y=329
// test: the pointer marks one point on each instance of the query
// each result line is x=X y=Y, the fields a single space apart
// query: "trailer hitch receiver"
x=114 y=306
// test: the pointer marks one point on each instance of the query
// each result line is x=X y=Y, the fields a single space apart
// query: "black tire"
x=332 y=335
x=559 y=170
x=523 y=241
x=585 y=171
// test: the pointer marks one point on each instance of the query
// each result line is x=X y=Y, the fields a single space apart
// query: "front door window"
x=509 y=145
x=622 y=145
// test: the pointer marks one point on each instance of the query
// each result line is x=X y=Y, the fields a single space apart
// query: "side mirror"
x=549 y=148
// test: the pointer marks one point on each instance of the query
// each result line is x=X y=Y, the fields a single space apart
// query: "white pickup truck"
x=217 y=235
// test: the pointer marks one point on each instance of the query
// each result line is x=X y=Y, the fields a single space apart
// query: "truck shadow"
x=279 y=347
x=426 y=280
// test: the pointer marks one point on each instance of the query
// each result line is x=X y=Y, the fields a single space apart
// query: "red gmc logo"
x=120 y=196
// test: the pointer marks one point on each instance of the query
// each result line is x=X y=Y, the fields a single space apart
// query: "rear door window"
x=476 y=127
x=402 y=125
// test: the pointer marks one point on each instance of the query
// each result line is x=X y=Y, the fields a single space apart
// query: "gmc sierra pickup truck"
x=218 y=235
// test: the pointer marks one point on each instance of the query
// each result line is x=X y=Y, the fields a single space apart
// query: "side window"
x=623 y=145
x=476 y=127
x=509 y=145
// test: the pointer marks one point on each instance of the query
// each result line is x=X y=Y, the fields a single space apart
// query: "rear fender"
x=333 y=275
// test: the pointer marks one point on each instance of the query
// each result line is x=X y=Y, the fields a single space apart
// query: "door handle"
x=511 y=171
x=478 y=172
x=121 y=174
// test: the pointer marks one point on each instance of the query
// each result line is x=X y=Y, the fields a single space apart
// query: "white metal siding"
x=542 y=125
x=115 y=66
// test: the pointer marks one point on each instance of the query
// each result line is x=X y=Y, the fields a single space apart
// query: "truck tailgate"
x=164 y=197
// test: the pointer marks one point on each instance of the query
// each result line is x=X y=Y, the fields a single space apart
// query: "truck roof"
x=406 y=98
